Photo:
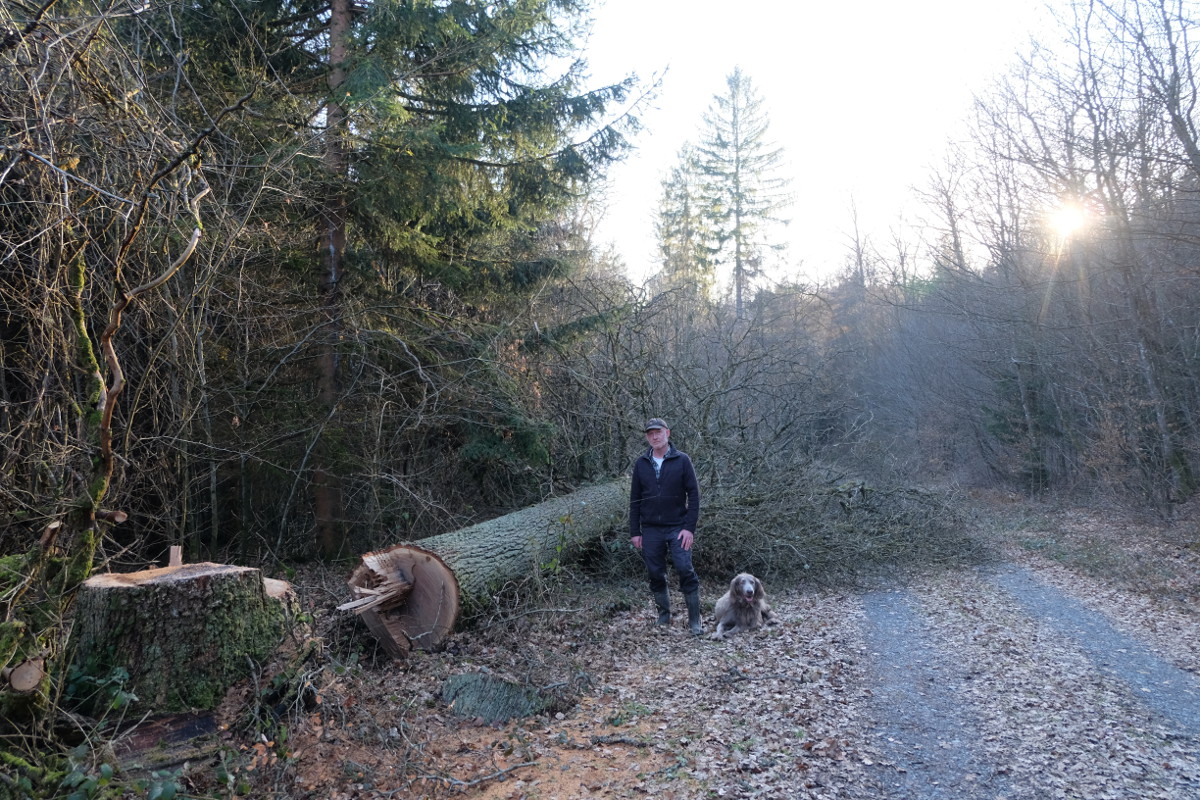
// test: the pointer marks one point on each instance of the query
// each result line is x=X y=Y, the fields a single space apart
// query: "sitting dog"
x=743 y=608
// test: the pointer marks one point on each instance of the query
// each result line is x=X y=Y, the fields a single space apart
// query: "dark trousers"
x=657 y=544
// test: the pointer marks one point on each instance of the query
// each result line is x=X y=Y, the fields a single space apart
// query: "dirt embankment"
x=1065 y=670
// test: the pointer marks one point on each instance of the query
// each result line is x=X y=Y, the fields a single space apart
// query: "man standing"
x=664 y=507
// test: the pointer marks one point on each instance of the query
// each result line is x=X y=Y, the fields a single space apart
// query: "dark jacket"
x=670 y=499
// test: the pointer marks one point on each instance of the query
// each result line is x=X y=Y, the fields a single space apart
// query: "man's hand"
x=636 y=541
x=685 y=539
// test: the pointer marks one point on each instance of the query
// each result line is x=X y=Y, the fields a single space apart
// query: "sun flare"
x=1068 y=220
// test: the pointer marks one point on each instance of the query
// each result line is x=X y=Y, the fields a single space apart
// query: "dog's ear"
x=759 y=591
x=733 y=584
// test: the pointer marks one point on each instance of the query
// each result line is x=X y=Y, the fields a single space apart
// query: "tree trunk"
x=327 y=496
x=176 y=638
x=410 y=595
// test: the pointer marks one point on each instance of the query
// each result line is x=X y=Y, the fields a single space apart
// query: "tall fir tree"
x=743 y=189
x=684 y=231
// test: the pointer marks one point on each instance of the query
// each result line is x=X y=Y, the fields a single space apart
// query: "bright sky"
x=862 y=96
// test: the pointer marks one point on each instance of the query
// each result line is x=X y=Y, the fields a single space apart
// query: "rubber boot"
x=693 y=607
x=663 y=600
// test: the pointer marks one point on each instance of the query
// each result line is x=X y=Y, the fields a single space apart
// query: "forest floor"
x=1064 y=668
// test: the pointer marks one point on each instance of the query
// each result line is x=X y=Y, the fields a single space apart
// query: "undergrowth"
x=792 y=534
x=796 y=533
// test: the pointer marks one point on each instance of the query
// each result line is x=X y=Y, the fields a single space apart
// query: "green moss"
x=11 y=633
x=12 y=570
x=202 y=695
x=79 y=566
x=77 y=277
x=188 y=667
x=99 y=485
x=34 y=779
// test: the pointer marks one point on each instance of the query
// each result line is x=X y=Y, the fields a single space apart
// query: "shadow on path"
x=929 y=732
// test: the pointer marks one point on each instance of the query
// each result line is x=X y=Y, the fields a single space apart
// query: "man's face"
x=657 y=437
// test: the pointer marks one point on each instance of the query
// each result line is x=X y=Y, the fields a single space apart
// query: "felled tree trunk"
x=410 y=595
x=176 y=638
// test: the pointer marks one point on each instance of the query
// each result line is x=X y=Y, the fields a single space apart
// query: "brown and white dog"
x=743 y=608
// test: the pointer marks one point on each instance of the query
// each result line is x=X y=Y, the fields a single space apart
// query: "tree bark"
x=410 y=595
x=176 y=638
x=327 y=497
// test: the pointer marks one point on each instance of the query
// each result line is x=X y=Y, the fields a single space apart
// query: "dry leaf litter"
x=1022 y=679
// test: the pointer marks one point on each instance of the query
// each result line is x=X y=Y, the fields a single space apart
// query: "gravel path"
x=997 y=685
x=919 y=724
x=1166 y=689
x=975 y=685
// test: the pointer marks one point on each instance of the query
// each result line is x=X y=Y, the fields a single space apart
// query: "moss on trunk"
x=175 y=638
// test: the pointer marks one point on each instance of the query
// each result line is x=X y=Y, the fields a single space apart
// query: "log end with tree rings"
x=407 y=596
x=26 y=676
x=411 y=596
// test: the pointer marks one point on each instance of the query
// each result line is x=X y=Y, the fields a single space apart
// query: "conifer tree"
x=685 y=235
x=742 y=185
x=410 y=146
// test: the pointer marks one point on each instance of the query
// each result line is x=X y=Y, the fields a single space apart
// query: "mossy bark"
x=175 y=638
x=36 y=589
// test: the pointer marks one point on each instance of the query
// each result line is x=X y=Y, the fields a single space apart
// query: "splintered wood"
x=407 y=596
x=384 y=593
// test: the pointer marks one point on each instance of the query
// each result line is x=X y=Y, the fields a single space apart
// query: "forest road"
x=1023 y=679
x=999 y=685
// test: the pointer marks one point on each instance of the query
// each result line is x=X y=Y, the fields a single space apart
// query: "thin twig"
x=528 y=613
x=451 y=781
x=24 y=151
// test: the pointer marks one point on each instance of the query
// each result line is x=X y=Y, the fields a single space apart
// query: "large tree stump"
x=410 y=595
x=177 y=637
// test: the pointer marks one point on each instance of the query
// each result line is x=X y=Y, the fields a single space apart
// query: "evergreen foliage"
x=686 y=230
x=742 y=189
x=166 y=178
x=482 y=356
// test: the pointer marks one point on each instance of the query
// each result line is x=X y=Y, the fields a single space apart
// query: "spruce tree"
x=743 y=189
x=684 y=231
x=414 y=161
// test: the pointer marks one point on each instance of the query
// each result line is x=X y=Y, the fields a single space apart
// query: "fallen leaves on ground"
x=784 y=712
